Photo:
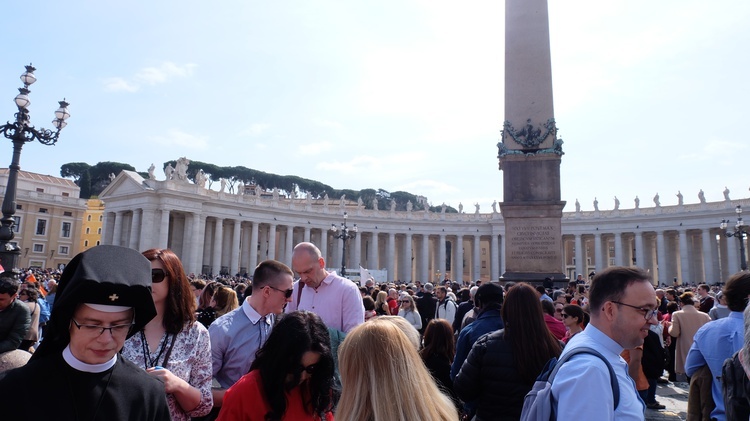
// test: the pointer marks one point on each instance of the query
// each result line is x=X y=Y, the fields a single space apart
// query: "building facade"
x=91 y=225
x=48 y=218
x=216 y=232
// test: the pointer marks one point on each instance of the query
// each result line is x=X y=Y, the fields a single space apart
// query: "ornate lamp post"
x=344 y=233
x=740 y=231
x=19 y=132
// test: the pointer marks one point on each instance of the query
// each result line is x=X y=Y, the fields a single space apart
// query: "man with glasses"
x=103 y=297
x=237 y=335
x=15 y=318
x=622 y=307
x=335 y=299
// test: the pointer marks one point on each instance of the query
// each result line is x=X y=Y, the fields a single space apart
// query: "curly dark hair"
x=294 y=335
x=180 y=305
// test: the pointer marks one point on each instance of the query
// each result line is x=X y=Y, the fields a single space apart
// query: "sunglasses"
x=404 y=301
x=157 y=275
x=287 y=292
x=310 y=369
x=565 y=316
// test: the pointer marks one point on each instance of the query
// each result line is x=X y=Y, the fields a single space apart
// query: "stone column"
x=253 y=262
x=164 y=229
x=441 y=257
x=685 y=275
x=107 y=222
x=640 y=256
x=600 y=264
x=374 y=258
x=424 y=261
x=187 y=240
x=117 y=233
x=495 y=258
x=324 y=244
x=135 y=229
x=196 y=243
x=307 y=234
x=147 y=239
x=707 y=242
x=357 y=259
x=476 y=272
x=580 y=264
x=661 y=258
x=272 y=242
x=234 y=262
x=245 y=247
x=619 y=255
x=733 y=255
x=218 y=242
x=289 y=245
x=391 y=254
x=458 y=268
x=407 y=266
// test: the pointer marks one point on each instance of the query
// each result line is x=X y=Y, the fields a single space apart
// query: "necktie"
x=263 y=324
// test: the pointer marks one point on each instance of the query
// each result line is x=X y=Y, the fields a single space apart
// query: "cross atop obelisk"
x=530 y=151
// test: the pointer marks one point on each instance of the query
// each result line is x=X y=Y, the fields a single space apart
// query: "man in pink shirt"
x=335 y=299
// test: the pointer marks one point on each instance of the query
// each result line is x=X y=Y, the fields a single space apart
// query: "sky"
x=650 y=97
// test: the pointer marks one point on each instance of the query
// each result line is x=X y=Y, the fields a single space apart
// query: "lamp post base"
x=9 y=259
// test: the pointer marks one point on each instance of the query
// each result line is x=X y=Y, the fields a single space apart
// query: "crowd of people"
x=131 y=336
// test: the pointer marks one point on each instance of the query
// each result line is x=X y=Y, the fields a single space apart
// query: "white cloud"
x=118 y=84
x=315 y=148
x=327 y=123
x=175 y=137
x=166 y=72
x=713 y=149
x=255 y=130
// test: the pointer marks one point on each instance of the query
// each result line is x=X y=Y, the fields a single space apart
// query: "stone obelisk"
x=530 y=151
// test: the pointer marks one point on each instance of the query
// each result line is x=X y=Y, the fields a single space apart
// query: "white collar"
x=88 y=368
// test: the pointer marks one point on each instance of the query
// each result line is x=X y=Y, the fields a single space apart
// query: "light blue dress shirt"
x=713 y=343
x=235 y=337
x=582 y=389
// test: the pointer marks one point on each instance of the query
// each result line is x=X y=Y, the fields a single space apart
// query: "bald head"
x=309 y=264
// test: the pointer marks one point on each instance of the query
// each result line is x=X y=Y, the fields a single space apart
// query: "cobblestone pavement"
x=675 y=397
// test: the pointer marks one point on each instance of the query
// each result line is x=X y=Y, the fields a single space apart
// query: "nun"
x=104 y=296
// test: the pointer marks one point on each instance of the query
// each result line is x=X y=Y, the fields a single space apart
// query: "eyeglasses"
x=157 y=275
x=648 y=313
x=94 y=330
x=565 y=316
x=287 y=292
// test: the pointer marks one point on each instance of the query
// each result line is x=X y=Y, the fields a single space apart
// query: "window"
x=65 y=230
x=38 y=248
x=101 y=218
x=86 y=243
x=63 y=249
x=42 y=210
x=484 y=264
x=67 y=213
x=66 y=194
x=18 y=207
x=40 y=190
x=88 y=230
x=99 y=231
x=41 y=226
x=37 y=264
x=97 y=242
x=17 y=225
x=88 y=218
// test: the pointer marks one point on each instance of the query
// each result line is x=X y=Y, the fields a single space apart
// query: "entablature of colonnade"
x=699 y=216
x=129 y=191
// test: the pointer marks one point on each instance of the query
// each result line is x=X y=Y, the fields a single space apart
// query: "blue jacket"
x=488 y=321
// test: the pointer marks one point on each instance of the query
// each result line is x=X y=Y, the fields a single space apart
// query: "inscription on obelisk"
x=530 y=151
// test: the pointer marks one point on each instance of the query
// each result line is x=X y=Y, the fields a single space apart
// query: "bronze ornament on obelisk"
x=529 y=151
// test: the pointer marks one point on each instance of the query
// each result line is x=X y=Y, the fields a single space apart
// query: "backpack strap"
x=586 y=350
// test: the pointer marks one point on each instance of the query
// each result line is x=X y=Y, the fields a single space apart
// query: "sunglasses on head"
x=157 y=275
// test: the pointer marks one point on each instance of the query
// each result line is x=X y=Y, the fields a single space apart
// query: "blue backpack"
x=538 y=405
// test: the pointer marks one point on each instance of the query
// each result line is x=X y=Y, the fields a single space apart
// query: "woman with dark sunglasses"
x=173 y=346
x=292 y=377
x=573 y=319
